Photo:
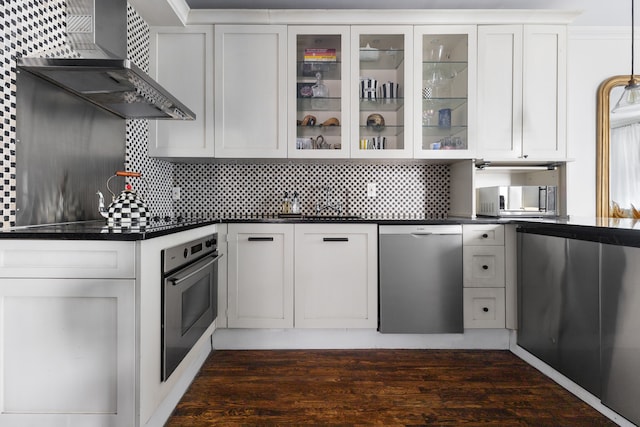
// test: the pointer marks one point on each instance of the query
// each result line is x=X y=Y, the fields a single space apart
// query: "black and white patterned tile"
x=158 y=174
x=411 y=190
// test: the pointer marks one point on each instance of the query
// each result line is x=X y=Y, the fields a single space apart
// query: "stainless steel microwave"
x=522 y=201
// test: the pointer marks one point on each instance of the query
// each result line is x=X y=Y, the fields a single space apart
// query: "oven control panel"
x=186 y=253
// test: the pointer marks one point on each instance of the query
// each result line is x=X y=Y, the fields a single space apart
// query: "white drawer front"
x=484 y=308
x=67 y=259
x=483 y=234
x=483 y=266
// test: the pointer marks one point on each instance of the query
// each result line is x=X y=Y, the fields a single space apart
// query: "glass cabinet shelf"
x=328 y=70
x=448 y=69
x=385 y=104
x=368 y=131
x=389 y=59
x=313 y=131
x=440 y=103
x=437 y=131
x=319 y=104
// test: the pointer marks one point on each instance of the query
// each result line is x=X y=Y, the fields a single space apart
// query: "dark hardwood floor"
x=383 y=387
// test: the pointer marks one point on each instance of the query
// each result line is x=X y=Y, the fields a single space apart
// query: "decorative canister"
x=389 y=90
x=368 y=88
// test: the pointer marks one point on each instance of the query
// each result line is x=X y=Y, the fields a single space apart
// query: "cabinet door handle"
x=260 y=239
x=485 y=267
x=485 y=236
x=485 y=309
x=335 y=239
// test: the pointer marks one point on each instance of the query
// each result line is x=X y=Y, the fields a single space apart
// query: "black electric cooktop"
x=98 y=229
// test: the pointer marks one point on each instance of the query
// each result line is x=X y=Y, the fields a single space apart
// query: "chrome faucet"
x=321 y=207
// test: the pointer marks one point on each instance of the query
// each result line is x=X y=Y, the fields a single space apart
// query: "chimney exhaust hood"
x=93 y=65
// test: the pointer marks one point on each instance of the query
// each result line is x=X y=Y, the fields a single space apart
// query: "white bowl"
x=369 y=54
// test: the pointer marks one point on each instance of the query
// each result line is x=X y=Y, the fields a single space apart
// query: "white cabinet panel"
x=188 y=74
x=544 y=91
x=483 y=266
x=500 y=90
x=68 y=349
x=69 y=258
x=260 y=274
x=484 y=308
x=483 y=234
x=250 y=90
x=336 y=276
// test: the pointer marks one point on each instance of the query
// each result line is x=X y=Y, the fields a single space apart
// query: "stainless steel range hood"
x=94 y=65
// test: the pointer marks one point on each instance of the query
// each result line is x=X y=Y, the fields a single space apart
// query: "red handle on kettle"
x=129 y=174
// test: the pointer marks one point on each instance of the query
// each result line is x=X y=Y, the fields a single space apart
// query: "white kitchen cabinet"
x=336 y=276
x=484 y=275
x=484 y=307
x=80 y=342
x=319 y=90
x=68 y=336
x=445 y=91
x=382 y=54
x=260 y=276
x=250 y=91
x=188 y=74
x=483 y=266
x=522 y=92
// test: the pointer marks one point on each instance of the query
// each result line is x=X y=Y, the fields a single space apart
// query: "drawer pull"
x=335 y=239
x=260 y=239
x=485 y=309
x=485 y=236
x=485 y=267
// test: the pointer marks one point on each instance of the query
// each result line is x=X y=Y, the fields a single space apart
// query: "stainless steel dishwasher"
x=420 y=279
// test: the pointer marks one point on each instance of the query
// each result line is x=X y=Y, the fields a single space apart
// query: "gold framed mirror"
x=610 y=89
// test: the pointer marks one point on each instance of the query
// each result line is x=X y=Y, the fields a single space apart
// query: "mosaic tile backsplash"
x=218 y=189
x=244 y=189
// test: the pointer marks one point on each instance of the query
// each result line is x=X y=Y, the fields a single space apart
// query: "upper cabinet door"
x=319 y=80
x=500 y=91
x=445 y=91
x=250 y=91
x=188 y=74
x=381 y=91
x=522 y=92
x=544 y=92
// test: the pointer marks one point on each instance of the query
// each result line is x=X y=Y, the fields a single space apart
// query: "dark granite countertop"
x=606 y=230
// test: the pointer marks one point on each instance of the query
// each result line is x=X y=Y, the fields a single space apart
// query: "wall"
x=32 y=26
x=595 y=54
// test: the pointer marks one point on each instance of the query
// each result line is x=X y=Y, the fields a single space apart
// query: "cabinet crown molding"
x=381 y=16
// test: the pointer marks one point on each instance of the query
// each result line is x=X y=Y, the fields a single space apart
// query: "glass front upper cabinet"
x=445 y=91
x=318 y=92
x=381 y=91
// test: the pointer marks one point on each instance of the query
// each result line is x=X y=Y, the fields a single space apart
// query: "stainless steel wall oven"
x=189 y=297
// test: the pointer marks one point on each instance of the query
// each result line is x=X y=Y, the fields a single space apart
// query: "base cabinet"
x=558 y=292
x=620 y=295
x=336 y=276
x=331 y=269
x=260 y=276
x=483 y=273
x=67 y=341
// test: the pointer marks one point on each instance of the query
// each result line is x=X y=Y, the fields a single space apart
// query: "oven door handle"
x=177 y=281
